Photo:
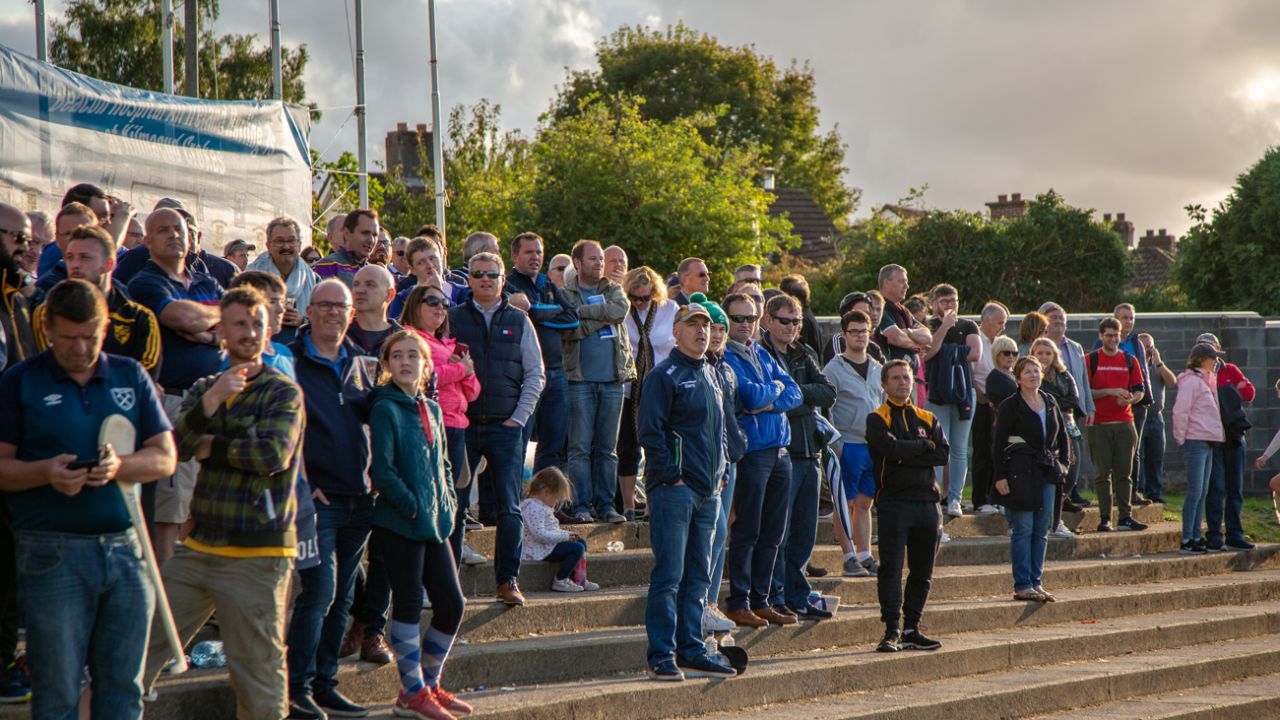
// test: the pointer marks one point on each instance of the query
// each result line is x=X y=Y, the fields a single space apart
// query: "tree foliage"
x=1231 y=261
x=739 y=97
x=656 y=188
x=119 y=41
x=1054 y=252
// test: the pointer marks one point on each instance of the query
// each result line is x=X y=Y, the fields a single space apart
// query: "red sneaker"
x=421 y=705
x=450 y=702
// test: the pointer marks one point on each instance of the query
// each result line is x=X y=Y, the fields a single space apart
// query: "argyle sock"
x=406 y=646
x=435 y=649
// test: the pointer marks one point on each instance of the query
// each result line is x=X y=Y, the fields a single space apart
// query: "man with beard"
x=16 y=337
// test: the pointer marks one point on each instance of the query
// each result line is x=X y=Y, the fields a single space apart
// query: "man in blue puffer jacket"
x=761 y=498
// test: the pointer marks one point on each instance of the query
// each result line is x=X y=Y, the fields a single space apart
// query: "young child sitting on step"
x=543 y=538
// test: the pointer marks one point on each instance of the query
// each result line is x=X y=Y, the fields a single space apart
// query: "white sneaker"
x=588 y=585
x=565 y=585
x=714 y=621
x=471 y=557
x=1062 y=532
x=988 y=510
x=953 y=509
x=945 y=537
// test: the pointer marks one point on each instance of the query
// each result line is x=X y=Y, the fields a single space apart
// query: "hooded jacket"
x=855 y=398
x=682 y=425
x=455 y=388
x=736 y=440
x=410 y=471
x=1195 y=409
x=761 y=383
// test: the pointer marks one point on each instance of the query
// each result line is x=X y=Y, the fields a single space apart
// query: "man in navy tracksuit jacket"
x=761 y=497
x=682 y=431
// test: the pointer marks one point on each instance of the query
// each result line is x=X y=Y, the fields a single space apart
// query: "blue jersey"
x=184 y=361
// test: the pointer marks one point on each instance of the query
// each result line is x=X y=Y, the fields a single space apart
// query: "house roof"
x=1150 y=267
x=902 y=211
x=811 y=224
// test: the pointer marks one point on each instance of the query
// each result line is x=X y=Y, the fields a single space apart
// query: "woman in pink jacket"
x=1197 y=428
x=427 y=311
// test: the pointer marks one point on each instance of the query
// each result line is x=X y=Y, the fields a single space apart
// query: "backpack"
x=1092 y=359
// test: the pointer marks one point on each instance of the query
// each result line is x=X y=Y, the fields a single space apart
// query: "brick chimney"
x=1163 y=241
x=1122 y=227
x=402 y=149
x=1008 y=207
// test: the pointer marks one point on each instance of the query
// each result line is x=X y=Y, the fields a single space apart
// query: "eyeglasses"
x=744 y=318
x=857 y=333
x=1007 y=353
x=639 y=298
x=753 y=281
x=703 y=274
x=435 y=301
x=490 y=274
x=21 y=237
x=324 y=306
x=788 y=321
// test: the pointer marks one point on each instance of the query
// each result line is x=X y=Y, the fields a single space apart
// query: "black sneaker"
x=809 y=612
x=302 y=707
x=1128 y=523
x=335 y=704
x=1080 y=500
x=1139 y=501
x=913 y=640
x=1241 y=544
x=1105 y=526
x=889 y=643
x=1212 y=545
x=1204 y=546
x=704 y=667
x=1191 y=547
x=665 y=671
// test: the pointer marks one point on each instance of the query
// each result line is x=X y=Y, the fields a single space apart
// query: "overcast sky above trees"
x=1140 y=107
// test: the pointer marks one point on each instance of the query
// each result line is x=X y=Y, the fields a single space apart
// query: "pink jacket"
x=455 y=387
x=1195 y=412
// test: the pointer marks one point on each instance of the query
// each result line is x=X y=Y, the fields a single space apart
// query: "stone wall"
x=1249 y=341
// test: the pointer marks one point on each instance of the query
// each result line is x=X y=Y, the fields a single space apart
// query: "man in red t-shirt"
x=1115 y=379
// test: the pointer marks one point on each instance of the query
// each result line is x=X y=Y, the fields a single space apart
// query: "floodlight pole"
x=437 y=127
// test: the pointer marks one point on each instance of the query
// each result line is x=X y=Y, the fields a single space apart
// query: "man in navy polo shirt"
x=185 y=301
x=81 y=581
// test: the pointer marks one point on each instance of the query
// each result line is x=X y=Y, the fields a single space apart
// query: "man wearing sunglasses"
x=551 y=313
x=694 y=278
x=16 y=336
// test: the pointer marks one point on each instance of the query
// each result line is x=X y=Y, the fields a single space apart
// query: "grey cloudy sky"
x=1140 y=106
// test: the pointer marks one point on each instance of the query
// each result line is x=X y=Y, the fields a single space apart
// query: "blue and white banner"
x=234 y=165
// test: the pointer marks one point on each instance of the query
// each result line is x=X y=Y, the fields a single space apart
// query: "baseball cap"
x=1204 y=351
x=1209 y=338
x=176 y=205
x=713 y=309
x=691 y=311
x=238 y=245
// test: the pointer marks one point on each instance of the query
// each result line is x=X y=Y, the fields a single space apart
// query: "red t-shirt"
x=1114 y=371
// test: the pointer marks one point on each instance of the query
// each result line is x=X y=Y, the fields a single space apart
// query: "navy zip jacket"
x=682 y=425
x=335 y=451
x=549 y=310
x=735 y=438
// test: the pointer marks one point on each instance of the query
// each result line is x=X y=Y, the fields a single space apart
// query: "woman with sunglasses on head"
x=1000 y=385
x=426 y=310
x=649 y=321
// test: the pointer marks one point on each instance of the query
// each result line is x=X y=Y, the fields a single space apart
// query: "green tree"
x=338 y=191
x=741 y=99
x=1231 y=261
x=119 y=41
x=658 y=189
x=1054 y=252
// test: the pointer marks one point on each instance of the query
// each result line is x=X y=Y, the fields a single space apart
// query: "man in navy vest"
x=508 y=360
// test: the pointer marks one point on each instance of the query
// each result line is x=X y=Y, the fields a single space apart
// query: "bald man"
x=17 y=342
x=372 y=289
x=615 y=263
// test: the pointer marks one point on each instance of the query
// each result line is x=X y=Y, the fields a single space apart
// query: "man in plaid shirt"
x=245 y=427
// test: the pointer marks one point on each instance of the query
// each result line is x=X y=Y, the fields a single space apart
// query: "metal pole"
x=277 y=80
x=192 y=63
x=166 y=44
x=437 y=127
x=361 y=138
x=42 y=40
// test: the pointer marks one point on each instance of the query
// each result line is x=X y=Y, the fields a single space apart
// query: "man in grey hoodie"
x=856 y=377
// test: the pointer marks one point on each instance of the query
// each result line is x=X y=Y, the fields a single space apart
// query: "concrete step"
x=1257 y=698
x=1133 y=653
x=555 y=613
x=636 y=534
x=632 y=567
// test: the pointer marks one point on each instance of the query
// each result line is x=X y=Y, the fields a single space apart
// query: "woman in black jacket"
x=1032 y=453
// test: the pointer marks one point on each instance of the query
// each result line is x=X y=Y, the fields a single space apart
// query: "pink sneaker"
x=450 y=702
x=421 y=705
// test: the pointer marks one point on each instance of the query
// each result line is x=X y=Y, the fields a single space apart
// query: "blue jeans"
x=720 y=539
x=549 y=422
x=503 y=448
x=87 y=602
x=789 y=585
x=456 y=444
x=1029 y=540
x=568 y=553
x=759 y=518
x=1151 y=448
x=1225 y=482
x=957 y=431
x=1199 y=458
x=595 y=410
x=320 y=613
x=680 y=528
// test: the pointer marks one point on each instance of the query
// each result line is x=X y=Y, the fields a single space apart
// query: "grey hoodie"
x=855 y=398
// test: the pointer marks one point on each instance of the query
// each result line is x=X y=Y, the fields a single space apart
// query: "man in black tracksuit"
x=906 y=444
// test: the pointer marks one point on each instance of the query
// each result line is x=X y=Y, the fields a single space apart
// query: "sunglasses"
x=436 y=301
x=788 y=321
x=744 y=318
x=21 y=237
x=490 y=274
x=639 y=298
x=399 y=253
x=558 y=268
x=1005 y=353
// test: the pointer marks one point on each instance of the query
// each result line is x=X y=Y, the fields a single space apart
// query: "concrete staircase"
x=1138 y=631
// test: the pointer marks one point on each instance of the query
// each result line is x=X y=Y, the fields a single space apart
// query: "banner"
x=234 y=165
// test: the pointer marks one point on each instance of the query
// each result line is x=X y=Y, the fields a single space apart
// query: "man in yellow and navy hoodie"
x=906 y=444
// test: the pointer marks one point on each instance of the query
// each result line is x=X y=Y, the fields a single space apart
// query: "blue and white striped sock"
x=407 y=647
x=435 y=649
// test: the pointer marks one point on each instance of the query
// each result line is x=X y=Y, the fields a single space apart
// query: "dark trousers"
x=761 y=502
x=550 y=423
x=1226 y=482
x=8 y=587
x=981 y=467
x=503 y=449
x=371 y=597
x=1151 y=446
x=1135 y=473
x=413 y=565
x=456 y=444
x=910 y=531
x=568 y=553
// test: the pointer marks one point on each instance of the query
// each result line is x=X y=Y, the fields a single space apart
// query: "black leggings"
x=413 y=565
